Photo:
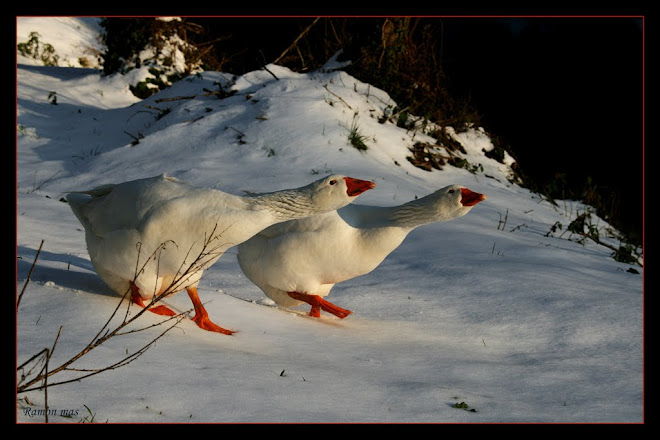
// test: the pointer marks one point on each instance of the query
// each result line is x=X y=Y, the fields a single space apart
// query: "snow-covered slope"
x=489 y=309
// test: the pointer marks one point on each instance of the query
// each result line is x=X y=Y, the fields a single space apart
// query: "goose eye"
x=332 y=182
x=452 y=191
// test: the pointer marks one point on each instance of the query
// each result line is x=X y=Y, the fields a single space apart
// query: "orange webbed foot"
x=319 y=304
x=162 y=310
x=159 y=310
x=201 y=315
x=205 y=323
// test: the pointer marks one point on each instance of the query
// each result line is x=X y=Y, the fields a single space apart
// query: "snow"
x=72 y=38
x=521 y=325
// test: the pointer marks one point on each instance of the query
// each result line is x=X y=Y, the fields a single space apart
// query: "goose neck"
x=285 y=205
x=415 y=213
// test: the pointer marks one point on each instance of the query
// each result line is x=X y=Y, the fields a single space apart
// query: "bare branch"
x=92 y=372
x=27 y=280
x=176 y=98
x=325 y=86
x=206 y=255
x=295 y=42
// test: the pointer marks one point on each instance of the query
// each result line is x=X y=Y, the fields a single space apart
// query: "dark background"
x=566 y=94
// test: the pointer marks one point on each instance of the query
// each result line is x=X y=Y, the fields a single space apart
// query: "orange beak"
x=357 y=186
x=471 y=198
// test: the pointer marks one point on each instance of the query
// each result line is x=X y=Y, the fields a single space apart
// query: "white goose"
x=160 y=233
x=299 y=261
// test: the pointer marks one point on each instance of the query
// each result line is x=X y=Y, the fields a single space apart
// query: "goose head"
x=336 y=191
x=455 y=201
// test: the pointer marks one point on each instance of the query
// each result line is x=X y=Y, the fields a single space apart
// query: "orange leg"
x=202 y=316
x=319 y=303
x=159 y=310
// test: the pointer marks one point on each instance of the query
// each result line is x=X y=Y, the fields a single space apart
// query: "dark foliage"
x=124 y=39
x=566 y=95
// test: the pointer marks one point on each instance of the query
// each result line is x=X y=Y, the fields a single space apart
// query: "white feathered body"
x=158 y=230
x=312 y=254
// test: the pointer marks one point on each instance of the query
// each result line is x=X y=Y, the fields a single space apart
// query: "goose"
x=300 y=261
x=157 y=235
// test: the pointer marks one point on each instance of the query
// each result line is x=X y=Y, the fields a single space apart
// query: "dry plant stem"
x=206 y=255
x=27 y=280
x=325 y=86
x=43 y=182
x=396 y=115
x=46 y=385
x=176 y=98
x=263 y=66
x=95 y=342
x=44 y=371
x=91 y=372
x=295 y=42
x=598 y=241
x=98 y=340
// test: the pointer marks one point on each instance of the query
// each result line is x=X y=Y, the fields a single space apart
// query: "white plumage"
x=301 y=260
x=160 y=233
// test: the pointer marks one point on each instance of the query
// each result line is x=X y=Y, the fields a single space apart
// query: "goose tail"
x=78 y=200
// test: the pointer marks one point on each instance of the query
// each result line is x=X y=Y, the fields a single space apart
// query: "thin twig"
x=136 y=330
x=176 y=98
x=43 y=182
x=205 y=257
x=48 y=355
x=96 y=340
x=325 y=86
x=396 y=115
x=46 y=388
x=502 y=224
x=237 y=131
x=263 y=66
x=32 y=358
x=126 y=360
x=27 y=280
x=295 y=42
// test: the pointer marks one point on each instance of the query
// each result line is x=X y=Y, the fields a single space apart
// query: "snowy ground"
x=522 y=327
